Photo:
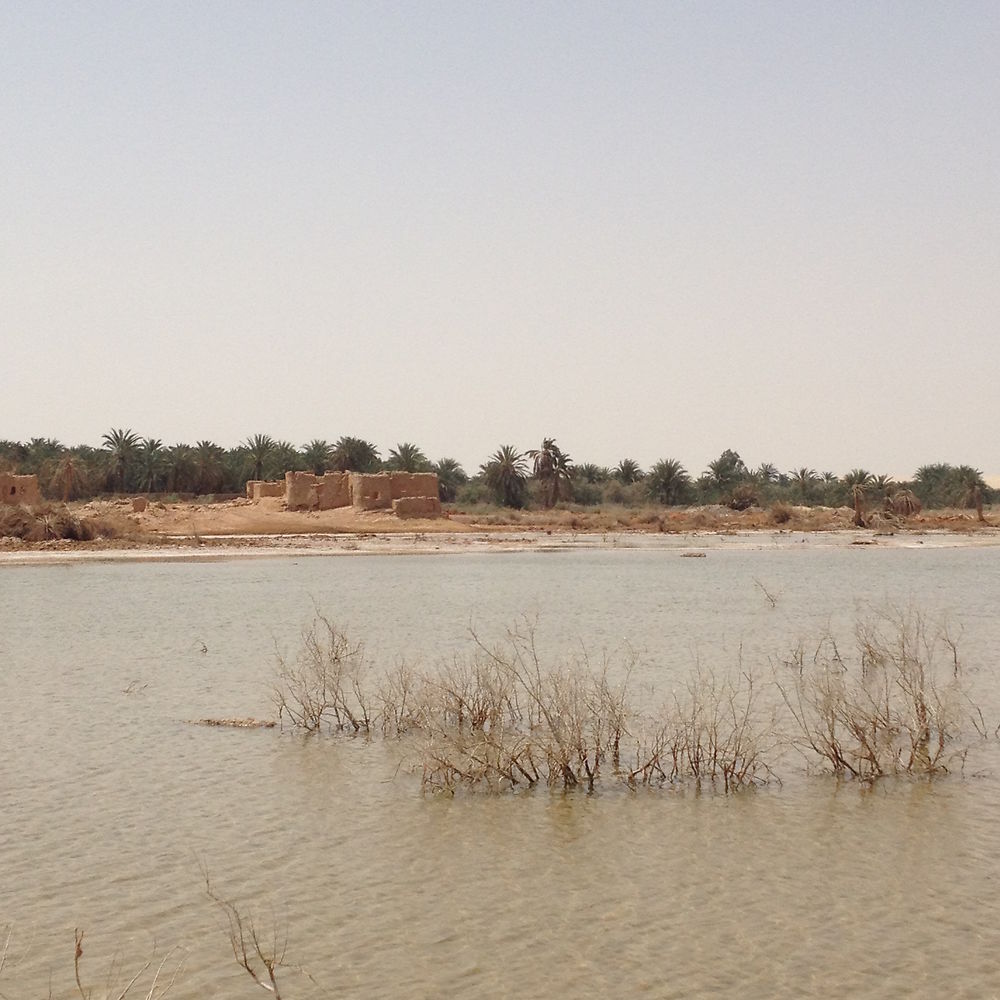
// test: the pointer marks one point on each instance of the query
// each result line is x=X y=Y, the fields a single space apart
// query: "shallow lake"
x=111 y=801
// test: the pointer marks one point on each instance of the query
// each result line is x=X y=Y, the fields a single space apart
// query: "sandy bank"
x=705 y=543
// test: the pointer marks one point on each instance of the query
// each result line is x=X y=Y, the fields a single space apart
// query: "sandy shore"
x=240 y=529
x=693 y=544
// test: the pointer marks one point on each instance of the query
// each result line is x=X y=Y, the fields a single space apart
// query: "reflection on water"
x=110 y=799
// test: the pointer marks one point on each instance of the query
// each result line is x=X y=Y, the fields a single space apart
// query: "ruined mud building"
x=406 y=494
x=19 y=489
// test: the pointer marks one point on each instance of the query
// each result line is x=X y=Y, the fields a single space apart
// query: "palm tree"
x=316 y=455
x=42 y=456
x=505 y=473
x=450 y=475
x=285 y=457
x=179 y=463
x=551 y=467
x=352 y=454
x=208 y=467
x=767 y=472
x=407 y=457
x=70 y=476
x=883 y=484
x=152 y=460
x=259 y=448
x=627 y=471
x=969 y=487
x=12 y=456
x=588 y=472
x=668 y=482
x=121 y=444
x=803 y=479
x=858 y=477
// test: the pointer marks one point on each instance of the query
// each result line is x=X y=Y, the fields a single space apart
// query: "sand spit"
x=227 y=547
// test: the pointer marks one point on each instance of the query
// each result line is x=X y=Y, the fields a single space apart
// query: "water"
x=111 y=801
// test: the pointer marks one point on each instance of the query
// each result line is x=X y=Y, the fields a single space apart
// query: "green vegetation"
x=553 y=470
x=407 y=457
x=668 y=483
x=505 y=475
x=544 y=477
x=352 y=454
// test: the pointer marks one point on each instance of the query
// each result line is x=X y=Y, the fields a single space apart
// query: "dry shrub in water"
x=259 y=952
x=119 y=985
x=504 y=718
x=325 y=684
x=897 y=707
x=710 y=732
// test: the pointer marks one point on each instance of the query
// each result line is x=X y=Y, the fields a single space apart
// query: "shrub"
x=587 y=494
x=781 y=513
x=473 y=492
x=505 y=718
x=325 y=682
x=892 y=709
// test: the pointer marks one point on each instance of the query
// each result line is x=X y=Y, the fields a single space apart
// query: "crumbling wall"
x=417 y=507
x=300 y=491
x=257 y=488
x=414 y=484
x=333 y=489
x=19 y=489
x=371 y=491
x=365 y=491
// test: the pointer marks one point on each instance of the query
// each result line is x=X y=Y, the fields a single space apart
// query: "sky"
x=649 y=230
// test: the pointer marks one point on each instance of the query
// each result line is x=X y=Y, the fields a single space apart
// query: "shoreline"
x=219 y=548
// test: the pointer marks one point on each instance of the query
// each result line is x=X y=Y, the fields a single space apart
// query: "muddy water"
x=110 y=801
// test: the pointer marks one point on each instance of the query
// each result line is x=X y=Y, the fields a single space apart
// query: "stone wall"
x=414 y=484
x=417 y=507
x=257 y=488
x=365 y=491
x=304 y=491
x=333 y=489
x=19 y=489
x=371 y=491
x=300 y=491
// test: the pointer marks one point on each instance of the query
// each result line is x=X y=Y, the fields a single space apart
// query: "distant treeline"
x=544 y=476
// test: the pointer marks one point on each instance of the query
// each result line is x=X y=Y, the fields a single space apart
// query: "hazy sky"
x=647 y=229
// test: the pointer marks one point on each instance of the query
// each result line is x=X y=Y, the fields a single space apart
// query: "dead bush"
x=897 y=706
x=325 y=684
x=505 y=717
x=711 y=732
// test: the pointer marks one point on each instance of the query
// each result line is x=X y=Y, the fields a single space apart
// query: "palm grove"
x=546 y=476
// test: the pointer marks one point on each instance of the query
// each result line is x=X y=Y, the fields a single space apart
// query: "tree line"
x=127 y=462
